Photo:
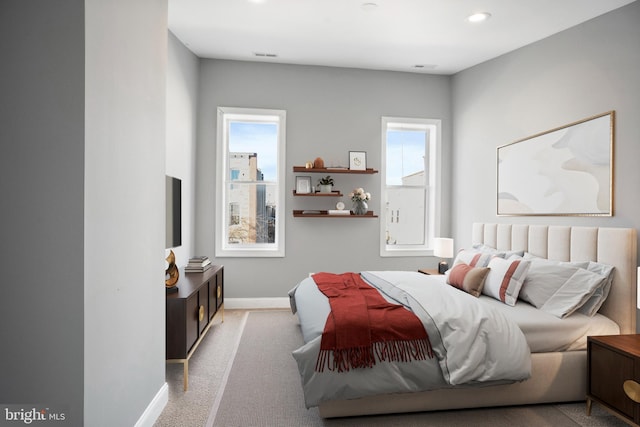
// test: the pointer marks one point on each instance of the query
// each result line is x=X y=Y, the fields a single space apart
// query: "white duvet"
x=474 y=344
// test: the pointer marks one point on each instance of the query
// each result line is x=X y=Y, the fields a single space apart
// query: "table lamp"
x=443 y=248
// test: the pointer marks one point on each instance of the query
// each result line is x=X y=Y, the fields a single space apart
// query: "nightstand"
x=431 y=271
x=613 y=375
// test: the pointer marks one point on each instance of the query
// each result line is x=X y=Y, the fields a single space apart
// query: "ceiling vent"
x=425 y=66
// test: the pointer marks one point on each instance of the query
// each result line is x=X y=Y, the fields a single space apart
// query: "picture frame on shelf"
x=357 y=160
x=303 y=185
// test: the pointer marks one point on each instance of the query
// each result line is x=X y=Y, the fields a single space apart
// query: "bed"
x=556 y=374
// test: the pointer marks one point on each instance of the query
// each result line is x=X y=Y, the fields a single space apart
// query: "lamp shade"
x=443 y=247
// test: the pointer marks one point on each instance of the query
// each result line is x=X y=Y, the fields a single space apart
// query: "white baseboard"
x=153 y=411
x=256 y=303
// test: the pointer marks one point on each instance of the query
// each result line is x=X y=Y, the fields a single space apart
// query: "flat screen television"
x=174 y=212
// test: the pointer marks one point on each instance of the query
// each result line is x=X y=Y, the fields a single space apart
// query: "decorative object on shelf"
x=308 y=165
x=359 y=198
x=443 y=248
x=339 y=210
x=198 y=264
x=318 y=163
x=303 y=184
x=357 y=160
x=326 y=184
x=171 y=273
x=360 y=207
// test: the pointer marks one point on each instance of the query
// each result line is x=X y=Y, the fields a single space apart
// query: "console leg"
x=185 y=374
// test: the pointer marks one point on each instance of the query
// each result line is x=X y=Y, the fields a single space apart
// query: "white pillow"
x=505 y=279
x=472 y=258
x=498 y=252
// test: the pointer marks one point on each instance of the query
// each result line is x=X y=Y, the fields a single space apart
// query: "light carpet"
x=243 y=375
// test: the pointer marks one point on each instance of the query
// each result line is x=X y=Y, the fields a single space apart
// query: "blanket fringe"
x=343 y=360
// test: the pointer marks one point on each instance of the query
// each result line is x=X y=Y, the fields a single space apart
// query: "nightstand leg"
x=589 y=402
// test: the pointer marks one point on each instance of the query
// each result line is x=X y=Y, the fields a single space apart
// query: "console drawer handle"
x=632 y=390
x=201 y=313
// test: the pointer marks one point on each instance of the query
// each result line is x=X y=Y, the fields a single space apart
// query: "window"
x=250 y=182
x=410 y=186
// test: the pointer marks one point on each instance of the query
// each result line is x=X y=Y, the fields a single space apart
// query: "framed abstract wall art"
x=564 y=171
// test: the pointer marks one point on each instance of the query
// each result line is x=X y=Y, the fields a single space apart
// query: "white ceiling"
x=388 y=35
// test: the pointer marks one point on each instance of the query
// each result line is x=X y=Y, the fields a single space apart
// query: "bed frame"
x=557 y=376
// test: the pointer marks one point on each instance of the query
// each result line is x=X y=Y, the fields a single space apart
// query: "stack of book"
x=198 y=264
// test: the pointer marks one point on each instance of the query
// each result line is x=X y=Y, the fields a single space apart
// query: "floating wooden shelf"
x=325 y=214
x=318 y=194
x=333 y=170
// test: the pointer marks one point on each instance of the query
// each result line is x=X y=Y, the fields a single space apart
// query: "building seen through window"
x=252 y=207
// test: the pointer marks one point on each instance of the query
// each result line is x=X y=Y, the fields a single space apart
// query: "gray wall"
x=42 y=167
x=124 y=222
x=329 y=112
x=82 y=112
x=182 y=105
x=589 y=69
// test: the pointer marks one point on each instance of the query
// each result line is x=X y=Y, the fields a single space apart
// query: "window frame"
x=222 y=246
x=433 y=202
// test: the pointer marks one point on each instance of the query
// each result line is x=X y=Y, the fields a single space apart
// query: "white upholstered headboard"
x=613 y=246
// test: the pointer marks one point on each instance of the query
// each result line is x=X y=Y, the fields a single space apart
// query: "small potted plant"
x=326 y=184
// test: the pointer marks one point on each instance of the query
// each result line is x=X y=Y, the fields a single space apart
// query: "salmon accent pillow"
x=467 y=278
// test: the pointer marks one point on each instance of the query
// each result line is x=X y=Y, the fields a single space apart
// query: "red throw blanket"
x=363 y=326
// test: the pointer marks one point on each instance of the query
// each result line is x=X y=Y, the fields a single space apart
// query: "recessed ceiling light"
x=479 y=17
x=257 y=1
x=369 y=5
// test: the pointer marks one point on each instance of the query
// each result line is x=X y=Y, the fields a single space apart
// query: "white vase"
x=325 y=188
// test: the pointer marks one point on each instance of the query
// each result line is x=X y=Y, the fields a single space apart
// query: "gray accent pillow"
x=593 y=304
x=562 y=288
x=573 y=293
x=544 y=278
